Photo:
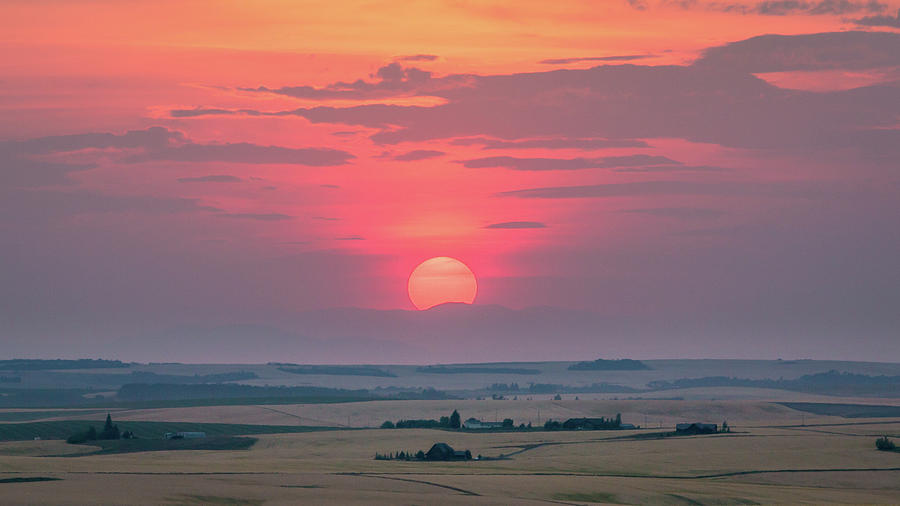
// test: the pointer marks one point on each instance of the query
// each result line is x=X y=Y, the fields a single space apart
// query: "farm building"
x=185 y=435
x=443 y=451
x=591 y=423
x=696 y=428
x=474 y=423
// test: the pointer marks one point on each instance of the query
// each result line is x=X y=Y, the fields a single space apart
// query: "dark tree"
x=110 y=431
x=885 y=444
x=454 y=420
x=387 y=425
x=508 y=423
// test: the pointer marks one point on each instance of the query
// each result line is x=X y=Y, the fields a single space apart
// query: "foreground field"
x=770 y=459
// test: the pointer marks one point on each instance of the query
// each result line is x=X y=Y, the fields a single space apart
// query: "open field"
x=764 y=466
x=787 y=446
x=145 y=430
x=482 y=375
x=770 y=458
x=648 y=413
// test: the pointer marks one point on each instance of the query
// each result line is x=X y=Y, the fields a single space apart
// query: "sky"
x=635 y=178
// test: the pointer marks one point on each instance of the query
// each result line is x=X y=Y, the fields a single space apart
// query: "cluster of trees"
x=601 y=423
x=167 y=391
x=625 y=364
x=110 y=431
x=828 y=383
x=441 y=369
x=401 y=455
x=503 y=387
x=23 y=364
x=552 y=388
x=446 y=422
x=339 y=370
x=885 y=444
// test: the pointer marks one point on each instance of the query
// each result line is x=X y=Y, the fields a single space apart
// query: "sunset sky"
x=720 y=173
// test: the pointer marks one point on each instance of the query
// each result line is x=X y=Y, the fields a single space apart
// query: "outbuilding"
x=443 y=451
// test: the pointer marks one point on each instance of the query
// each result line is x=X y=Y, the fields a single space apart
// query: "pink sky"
x=725 y=169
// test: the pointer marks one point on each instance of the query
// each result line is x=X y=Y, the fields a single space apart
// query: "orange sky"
x=698 y=167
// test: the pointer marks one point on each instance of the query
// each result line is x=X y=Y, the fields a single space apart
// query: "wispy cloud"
x=880 y=20
x=684 y=213
x=561 y=143
x=215 y=178
x=516 y=225
x=613 y=58
x=418 y=154
x=256 y=216
x=541 y=164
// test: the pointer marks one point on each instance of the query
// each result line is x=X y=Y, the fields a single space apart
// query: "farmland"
x=757 y=466
x=785 y=446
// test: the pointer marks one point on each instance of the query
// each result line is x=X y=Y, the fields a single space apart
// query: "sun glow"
x=439 y=280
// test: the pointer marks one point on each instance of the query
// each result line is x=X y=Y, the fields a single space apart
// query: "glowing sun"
x=439 y=280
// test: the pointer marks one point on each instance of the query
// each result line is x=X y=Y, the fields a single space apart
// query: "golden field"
x=769 y=459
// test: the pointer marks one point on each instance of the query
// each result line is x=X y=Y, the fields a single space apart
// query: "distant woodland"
x=338 y=370
x=36 y=365
x=625 y=364
x=440 y=369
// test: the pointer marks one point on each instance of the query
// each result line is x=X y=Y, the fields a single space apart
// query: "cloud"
x=418 y=154
x=563 y=143
x=389 y=81
x=779 y=7
x=880 y=20
x=672 y=168
x=26 y=163
x=42 y=205
x=256 y=216
x=150 y=138
x=852 y=50
x=350 y=238
x=657 y=188
x=45 y=161
x=243 y=152
x=325 y=218
x=540 y=164
x=684 y=213
x=418 y=57
x=216 y=178
x=640 y=5
x=624 y=57
x=516 y=225
x=22 y=172
x=715 y=100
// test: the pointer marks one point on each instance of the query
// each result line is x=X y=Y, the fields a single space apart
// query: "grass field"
x=107 y=447
x=144 y=430
x=787 y=447
x=651 y=413
x=762 y=466
x=772 y=458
